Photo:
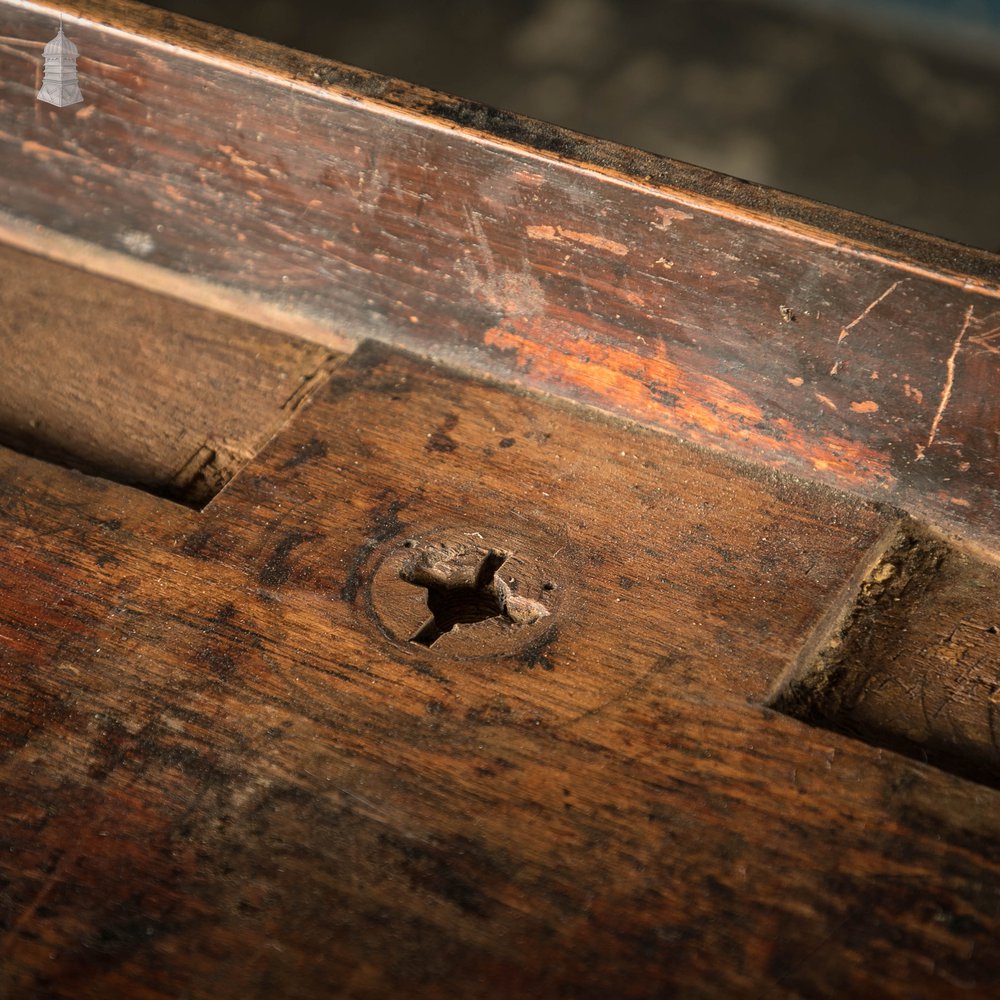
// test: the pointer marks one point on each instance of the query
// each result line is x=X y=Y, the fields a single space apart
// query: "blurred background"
x=887 y=107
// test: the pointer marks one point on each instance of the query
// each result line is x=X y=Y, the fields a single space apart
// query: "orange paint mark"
x=826 y=401
x=248 y=166
x=699 y=407
x=542 y=232
x=868 y=406
x=619 y=249
x=528 y=177
x=43 y=152
x=668 y=216
x=556 y=234
x=793 y=381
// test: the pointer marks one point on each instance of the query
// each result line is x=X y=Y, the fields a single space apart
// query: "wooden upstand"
x=446 y=556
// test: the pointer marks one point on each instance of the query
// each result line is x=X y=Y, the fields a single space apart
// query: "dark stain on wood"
x=197 y=774
x=277 y=568
x=220 y=777
x=912 y=665
x=312 y=450
x=645 y=287
x=440 y=439
x=384 y=526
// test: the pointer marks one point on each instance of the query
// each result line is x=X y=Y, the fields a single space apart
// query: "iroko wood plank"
x=227 y=770
x=138 y=387
x=234 y=171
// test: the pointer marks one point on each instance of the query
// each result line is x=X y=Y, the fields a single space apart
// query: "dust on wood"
x=912 y=662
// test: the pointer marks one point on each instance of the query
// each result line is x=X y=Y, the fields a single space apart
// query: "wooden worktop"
x=362 y=631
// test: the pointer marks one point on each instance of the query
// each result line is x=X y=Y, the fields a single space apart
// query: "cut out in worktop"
x=912 y=663
x=647 y=287
x=206 y=729
x=136 y=387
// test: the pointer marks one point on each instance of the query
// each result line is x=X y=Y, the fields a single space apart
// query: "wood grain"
x=797 y=336
x=426 y=456
x=136 y=387
x=222 y=775
x=914 y=663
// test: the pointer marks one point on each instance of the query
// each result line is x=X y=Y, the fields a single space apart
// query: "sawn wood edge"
x=845 y=350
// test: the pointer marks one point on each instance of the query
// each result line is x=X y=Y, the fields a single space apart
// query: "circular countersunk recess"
x=464 y=594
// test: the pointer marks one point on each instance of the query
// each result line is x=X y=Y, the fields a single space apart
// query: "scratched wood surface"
x=226 y=770
x=137 y=387
x=913 y=663
x=223 y=168
x=454 y=690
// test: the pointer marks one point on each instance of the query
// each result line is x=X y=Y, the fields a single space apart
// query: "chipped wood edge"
x=968 y=268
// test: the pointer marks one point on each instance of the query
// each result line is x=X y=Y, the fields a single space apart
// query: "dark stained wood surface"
x=838 y=348
x=136 y=387
x=455 y=690
x=441 y=460
x=914 y=662
x=227 y=771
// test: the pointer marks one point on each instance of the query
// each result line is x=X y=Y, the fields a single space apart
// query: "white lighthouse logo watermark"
x=60 y=85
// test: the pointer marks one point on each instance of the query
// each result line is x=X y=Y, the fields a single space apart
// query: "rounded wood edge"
x=967 y=267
